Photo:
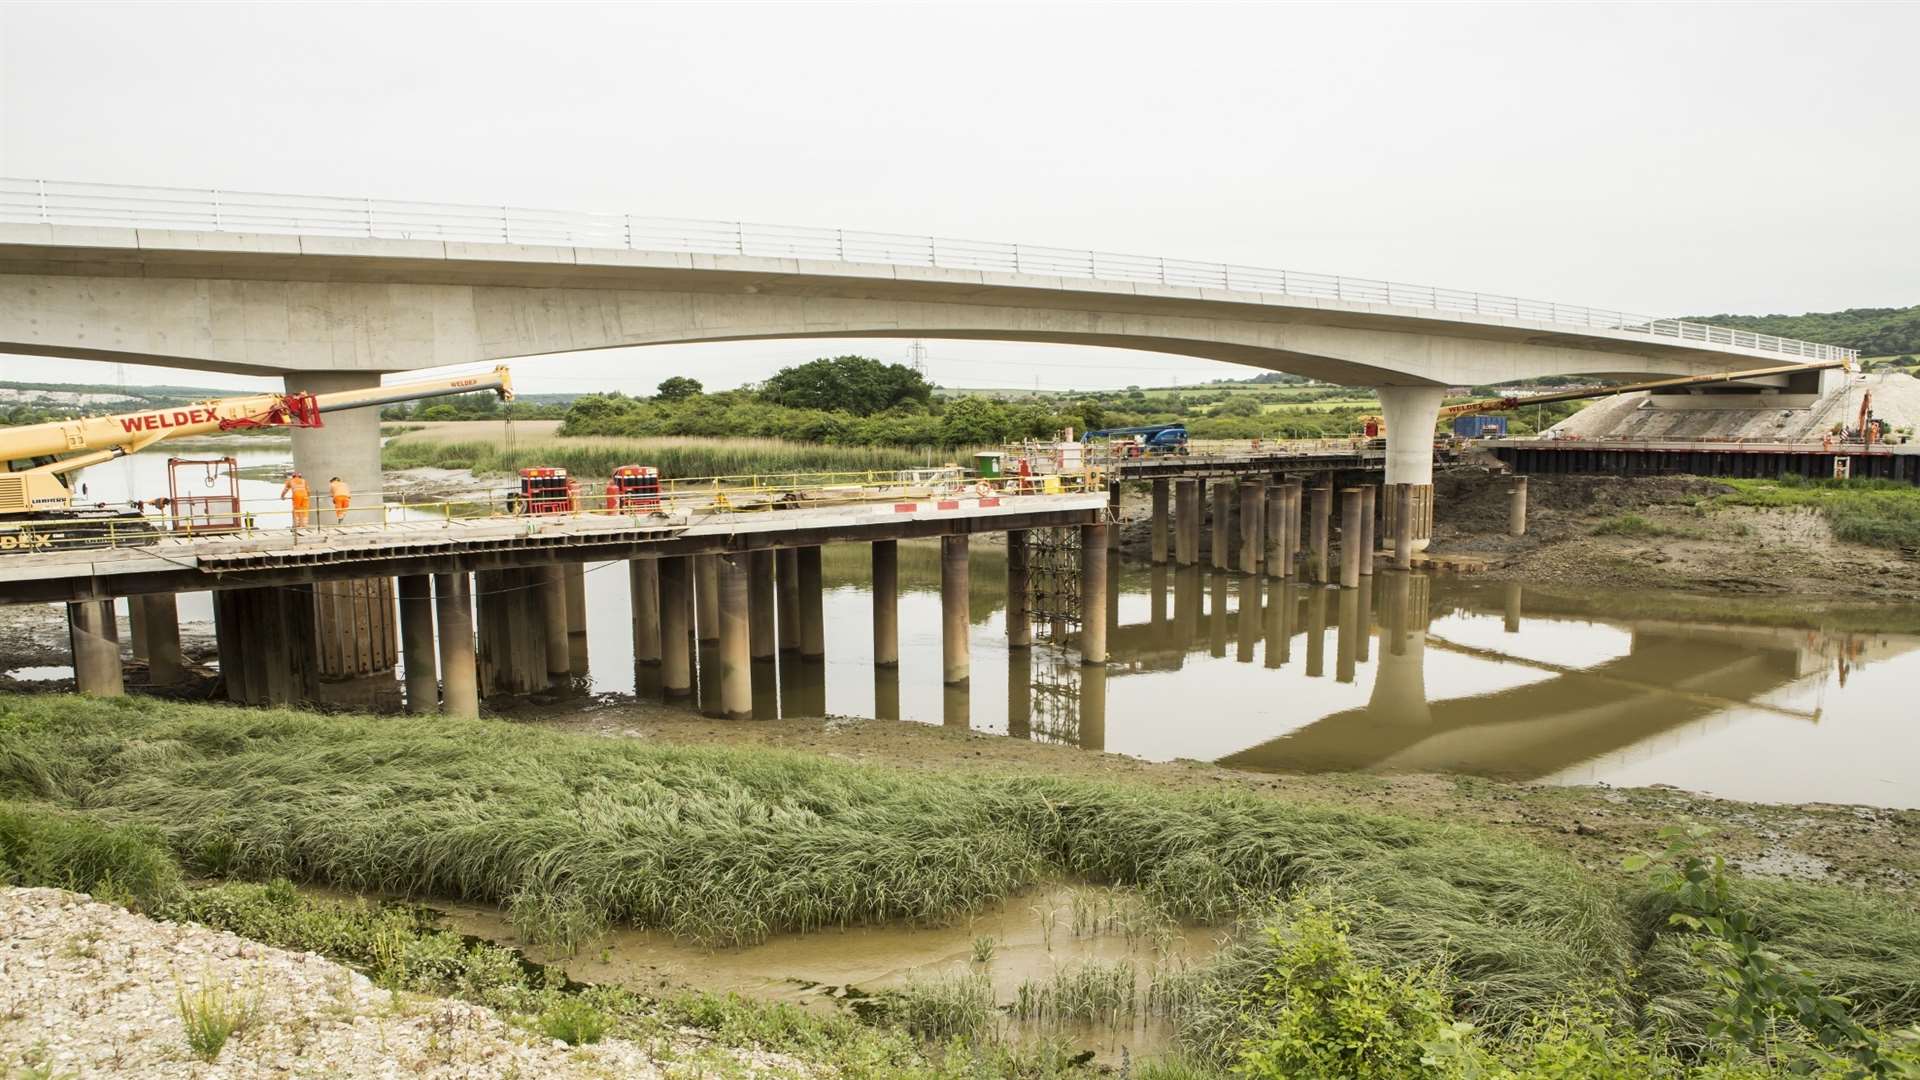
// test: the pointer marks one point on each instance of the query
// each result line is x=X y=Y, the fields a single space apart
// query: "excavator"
x=38 y=507
x=1375 y=427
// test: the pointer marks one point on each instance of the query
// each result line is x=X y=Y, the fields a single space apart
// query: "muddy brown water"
x=1020 y=948
x=1410 y=673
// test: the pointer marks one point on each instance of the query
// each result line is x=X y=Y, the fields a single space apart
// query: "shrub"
x=213 y=1014
x=572 y=1020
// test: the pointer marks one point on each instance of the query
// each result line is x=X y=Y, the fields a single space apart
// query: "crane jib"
x=162 y=420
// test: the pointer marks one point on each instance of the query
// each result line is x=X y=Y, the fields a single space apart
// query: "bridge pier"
x=1517 y=507
x=453 y=604
x=1253 y=516
x=550 y=594
x=1159 y=521
x=812 y=604
x=1093 y=594
x=1367 y=506
x=1019 y=580
x=761 y=635
x=886 y=601
x=676 y=661
x=706 y=569
x=643 y=578
x=788 y=562
x=1400 y=522
x=160 y=618
x=1186 y=522
x=1410 y=413
x=1093 y=708
x=955 y=660
x=1319 y=526
x=1222 y=523
x=357 y=627
x=96 y=649
x=575 y=576
x=736 y=653
x=1350 y=533
x=1274 y=532
x=416 y=643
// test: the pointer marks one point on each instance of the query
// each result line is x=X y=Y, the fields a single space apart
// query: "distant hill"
x=1874 y=331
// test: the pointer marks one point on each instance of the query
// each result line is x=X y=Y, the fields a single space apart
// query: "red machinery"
x=214 y=509
x=634 y=487
x=544 y=491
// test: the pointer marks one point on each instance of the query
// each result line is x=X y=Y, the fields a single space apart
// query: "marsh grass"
x=678 y=456
x=727 y=846
x=1090 y=993
x=955 y=1006
x=214 y=1014
x=1876 y=513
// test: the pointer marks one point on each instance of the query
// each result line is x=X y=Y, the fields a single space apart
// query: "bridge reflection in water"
x=1548 y=697
x=1406 y=673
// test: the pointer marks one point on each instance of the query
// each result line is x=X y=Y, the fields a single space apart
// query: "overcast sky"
x=1657 y=158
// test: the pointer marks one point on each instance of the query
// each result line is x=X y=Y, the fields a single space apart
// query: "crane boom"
x=35 y=459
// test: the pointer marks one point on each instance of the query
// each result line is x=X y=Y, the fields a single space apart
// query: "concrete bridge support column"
x=453 y=605
x=1093 y=709
x=788 y=563
x=1296 y=515
x=706 y=569
x=1113 y=514
x=1273 y=529
x=955 y=659
x=813 y=611
x=575 y=576
x=416 y=643
x=643 y=579
x=267 y=644
x=1400 y=521
x=1350 y=532
x=886 y=600
x=550 y=593
x=1160 y=493
x=96 y=650
x=676 y=661
x=357 y=631
x=160 y=616
x=1186 y=522
x=136 y=628
x=736 y=653
x=1319 y=526
x=1222 y=523
x=1517 y=506
x=761 y=642
x=1411 y=412
x=1253 y=517
x=1093 y=594
x=1368 y=503
x=1019 y=580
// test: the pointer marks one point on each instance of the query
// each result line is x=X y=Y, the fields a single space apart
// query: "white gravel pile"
x=91 y=990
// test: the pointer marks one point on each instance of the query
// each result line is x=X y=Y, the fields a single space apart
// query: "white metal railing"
x=122 y=206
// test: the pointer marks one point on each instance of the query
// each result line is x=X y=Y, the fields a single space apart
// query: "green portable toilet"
x=987 y=465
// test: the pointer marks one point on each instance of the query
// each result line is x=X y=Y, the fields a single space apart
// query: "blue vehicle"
x=1152 y=440
x=1480 y=427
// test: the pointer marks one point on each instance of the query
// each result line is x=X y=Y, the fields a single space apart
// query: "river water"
x=1411 y=673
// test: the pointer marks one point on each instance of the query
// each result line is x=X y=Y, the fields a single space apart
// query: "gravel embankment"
x=88 y=989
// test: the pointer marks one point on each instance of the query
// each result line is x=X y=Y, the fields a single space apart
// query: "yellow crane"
x=37 y=504
x=1375 y=427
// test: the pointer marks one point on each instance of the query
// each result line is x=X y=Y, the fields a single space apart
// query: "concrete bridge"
x=333 y=292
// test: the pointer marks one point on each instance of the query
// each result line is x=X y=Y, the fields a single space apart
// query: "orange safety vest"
x=297 y=487
x=340 y=492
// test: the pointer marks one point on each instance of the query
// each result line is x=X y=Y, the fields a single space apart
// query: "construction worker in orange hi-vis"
x=342 y=498
x=296 y=487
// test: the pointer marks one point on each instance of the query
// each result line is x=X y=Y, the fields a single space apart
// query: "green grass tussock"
x=50 y=848
x=675 y=457
x=1877 y=513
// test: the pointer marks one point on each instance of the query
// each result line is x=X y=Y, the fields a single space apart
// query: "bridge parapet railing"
x=24 y=200
x=680 y=502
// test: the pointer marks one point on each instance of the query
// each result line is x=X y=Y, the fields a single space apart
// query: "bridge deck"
x=264 y=557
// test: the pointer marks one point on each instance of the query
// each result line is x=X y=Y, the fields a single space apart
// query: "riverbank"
x=1746 y=538
x=569 y=832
